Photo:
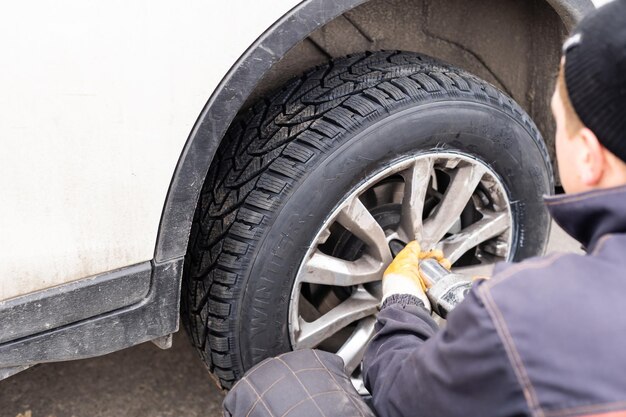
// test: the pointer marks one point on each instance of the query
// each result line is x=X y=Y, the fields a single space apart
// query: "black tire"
x=285 y=164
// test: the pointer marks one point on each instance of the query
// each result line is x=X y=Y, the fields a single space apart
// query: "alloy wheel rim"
x=450 y=201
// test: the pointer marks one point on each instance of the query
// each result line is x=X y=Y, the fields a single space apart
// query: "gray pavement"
x=142 y=381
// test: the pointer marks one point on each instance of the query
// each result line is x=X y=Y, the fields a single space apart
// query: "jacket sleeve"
x=412 y=369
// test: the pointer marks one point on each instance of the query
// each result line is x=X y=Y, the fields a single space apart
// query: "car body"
x=111 y=114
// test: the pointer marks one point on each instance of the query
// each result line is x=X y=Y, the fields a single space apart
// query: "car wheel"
x=315 y=189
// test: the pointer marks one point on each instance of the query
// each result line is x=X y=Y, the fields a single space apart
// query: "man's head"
x=589 y=102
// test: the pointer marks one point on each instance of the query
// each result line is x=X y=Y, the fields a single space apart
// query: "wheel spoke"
x=328 y=270
x=416 y=180
x=491 y=225
x=359 y=221
x=439 y=186
x=361 y=304
x=354 y=348
x=463 y=182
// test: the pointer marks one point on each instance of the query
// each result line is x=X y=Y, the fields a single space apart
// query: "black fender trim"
x=233 y=91
x=218 y=113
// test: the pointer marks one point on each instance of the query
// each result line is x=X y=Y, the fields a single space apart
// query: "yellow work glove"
x=402 y=276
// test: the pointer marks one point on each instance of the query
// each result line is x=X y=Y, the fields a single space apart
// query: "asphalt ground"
x=143 y=381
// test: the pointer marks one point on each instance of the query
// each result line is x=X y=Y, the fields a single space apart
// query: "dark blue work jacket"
x=545 y=337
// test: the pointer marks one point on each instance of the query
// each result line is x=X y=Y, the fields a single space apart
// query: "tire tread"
x=268 y=149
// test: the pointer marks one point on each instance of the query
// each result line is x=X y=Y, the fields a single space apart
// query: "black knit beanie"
x=595 y=74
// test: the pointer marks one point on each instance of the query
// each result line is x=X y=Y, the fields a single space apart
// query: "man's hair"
x=572 y=122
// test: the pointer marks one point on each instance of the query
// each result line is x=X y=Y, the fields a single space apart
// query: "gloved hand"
x=402 y=276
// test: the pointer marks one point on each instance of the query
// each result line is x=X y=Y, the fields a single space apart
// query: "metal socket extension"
x=446 y=290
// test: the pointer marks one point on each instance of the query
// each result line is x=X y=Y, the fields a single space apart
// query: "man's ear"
x=593 y=160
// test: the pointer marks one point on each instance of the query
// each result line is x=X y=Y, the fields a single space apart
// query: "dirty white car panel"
x=97 y=101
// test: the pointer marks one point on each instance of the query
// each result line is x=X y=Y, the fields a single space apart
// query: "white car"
x=252 y=167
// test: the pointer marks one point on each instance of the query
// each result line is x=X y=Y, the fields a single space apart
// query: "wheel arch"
x=319 y=30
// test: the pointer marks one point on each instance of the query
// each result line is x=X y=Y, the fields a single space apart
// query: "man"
x=546 y=337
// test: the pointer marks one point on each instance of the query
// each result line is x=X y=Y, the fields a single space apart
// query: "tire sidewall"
x=501 y=141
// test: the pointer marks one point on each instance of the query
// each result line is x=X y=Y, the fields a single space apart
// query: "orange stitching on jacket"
x=513 y=355
x=337 y=383
x=301 y=384
x=507 y=273
x=259 y=365
x=608 y=407
x=319 y=394
x=262 y=394
x=601 y=243
x=259 y=399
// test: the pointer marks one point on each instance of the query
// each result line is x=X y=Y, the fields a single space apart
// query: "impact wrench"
x=446 y=289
